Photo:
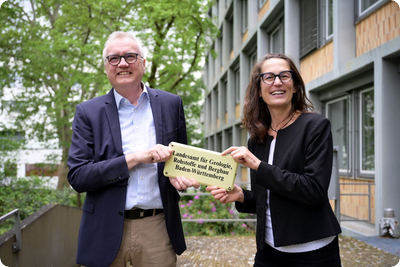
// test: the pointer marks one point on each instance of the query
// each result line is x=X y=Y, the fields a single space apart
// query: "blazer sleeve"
x=306 y=175
x=248 y=205
x=93 y=161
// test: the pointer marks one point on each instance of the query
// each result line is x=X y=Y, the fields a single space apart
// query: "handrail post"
x=17 y=245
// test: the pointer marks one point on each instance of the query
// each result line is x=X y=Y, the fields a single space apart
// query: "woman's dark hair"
x=256 y=117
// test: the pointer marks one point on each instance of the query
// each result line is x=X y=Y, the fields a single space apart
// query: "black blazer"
x=98 y=167
x=298 y=182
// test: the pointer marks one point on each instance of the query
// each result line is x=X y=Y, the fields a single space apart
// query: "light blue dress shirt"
x=138 y=134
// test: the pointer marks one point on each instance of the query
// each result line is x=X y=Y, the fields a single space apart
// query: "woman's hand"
x=224 y=196
x=243 y=156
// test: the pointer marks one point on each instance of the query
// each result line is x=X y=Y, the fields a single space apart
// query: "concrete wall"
x=49 y=238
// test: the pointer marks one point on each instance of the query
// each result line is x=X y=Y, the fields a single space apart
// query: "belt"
x=139 y=213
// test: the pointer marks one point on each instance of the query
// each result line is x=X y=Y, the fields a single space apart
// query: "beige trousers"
x=145 y=243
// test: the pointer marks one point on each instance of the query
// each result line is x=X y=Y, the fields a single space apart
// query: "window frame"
x=252 y=60
x=360 y=15
x=327 y=20
x=371 y=7
x=277 y=29
x=237 y=85
x=349 y=171
x=245 y=20
x=314 y=26
x=261 y=3
x=230 y=33
x=362 y=172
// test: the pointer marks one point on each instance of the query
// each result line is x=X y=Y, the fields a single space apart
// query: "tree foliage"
x=53 y=50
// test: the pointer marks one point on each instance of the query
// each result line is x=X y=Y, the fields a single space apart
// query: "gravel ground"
x=240 y=251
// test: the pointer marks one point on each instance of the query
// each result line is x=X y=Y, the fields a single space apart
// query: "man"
x=119 y=146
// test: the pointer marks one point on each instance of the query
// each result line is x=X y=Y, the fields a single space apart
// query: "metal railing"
x=215 y=220
x=359 y=194
x=17 y=245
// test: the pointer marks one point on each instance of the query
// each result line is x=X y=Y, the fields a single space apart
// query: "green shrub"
x=29 y=195
x=206 y=207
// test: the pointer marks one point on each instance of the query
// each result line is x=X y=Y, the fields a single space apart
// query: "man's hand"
x=182 y=183
x=158 y=153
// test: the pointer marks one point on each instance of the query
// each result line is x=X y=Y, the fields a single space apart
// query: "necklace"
x=276 y=130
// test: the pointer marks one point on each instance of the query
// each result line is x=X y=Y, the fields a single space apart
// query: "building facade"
x=34 y=158
x=348 y=53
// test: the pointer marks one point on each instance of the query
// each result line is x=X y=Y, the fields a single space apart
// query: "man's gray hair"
x=121 y=34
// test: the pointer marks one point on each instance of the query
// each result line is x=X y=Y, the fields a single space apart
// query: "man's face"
x=124 y=74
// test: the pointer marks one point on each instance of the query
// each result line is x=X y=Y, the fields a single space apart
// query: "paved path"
x=240 y=251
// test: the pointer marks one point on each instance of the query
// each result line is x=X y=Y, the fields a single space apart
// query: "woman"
x=290 y=156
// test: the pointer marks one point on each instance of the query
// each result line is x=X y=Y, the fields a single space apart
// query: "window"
x=9 y=168
x=244 y=16
x=367 y=153
x=253 y=60
x=328 y=19
x=218 y=146
x=261 y=3
x=212 y=66
x=41 y=169
x=220 y=49
x=211 y=144
x=277 y=40
x=308 y=27
x=337 y=113
x=230 y=33
x=230 y=138
x=364 y=5
x=208 y=105
x=352 y=124
x=224 y=96
x=316 y=25
x=11 y=139
x=216 y=101
x=237 y=86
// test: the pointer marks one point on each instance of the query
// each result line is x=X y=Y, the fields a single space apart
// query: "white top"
x=269 y=234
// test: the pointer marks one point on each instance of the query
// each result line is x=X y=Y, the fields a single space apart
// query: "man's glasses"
x=130 y=58
x=269 y=78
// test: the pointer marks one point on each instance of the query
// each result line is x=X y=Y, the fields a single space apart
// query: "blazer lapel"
x=113 y=121
x=157 y=115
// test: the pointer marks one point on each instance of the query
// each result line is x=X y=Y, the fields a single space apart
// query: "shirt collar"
x=119 y=97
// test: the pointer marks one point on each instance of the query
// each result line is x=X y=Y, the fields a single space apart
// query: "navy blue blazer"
x=97 y=166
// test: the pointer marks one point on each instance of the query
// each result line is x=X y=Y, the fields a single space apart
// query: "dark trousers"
x=327 y=256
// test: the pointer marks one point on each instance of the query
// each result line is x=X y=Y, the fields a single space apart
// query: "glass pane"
x=367 y=3
x=261 y=3
x=337 y=114
x=367 y=131
x=244 y=16
x=237 y=86
x=329 y=18
x=225 y=96
x=277 y=40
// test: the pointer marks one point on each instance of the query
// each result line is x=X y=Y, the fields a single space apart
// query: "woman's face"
x=278 y=94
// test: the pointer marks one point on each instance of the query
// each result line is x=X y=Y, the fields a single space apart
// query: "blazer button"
x=121 y=213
